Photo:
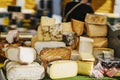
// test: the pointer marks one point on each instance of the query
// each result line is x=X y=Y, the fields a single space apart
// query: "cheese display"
x=96 y=30
x=23 y=55
x=15 y=71
x=107 y=53
x=100 y=42
x=46 y=21
x=39 y=45
x=96 y=19
x=62 y=69
x=85 y=68
x=78 y=27
x=69 y=38
x=67 y=26
x=75 y=55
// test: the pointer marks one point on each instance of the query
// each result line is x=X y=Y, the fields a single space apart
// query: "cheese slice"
x=67 y=26
x=33 y=71
x=46 y=21
x=85 y=68
x=96 y=30
x=62 y=69
x=39 y=45
x=23 y=55
x=78 y=27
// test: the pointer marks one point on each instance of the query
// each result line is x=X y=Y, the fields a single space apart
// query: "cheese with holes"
x=39 y=45
x=23 y=55
x=78 y=27
x=85 y=68
x=100 y=42
x=96 y=30
x=96 y=19
x=62 y=69
x=46 y=21
x=86 y=49
x=33 y=71
x=67 y=26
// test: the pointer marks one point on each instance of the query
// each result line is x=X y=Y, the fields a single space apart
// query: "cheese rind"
x=62 y=69
x=33 y=71
x=23 y=55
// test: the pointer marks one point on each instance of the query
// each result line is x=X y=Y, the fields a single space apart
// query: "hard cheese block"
x=85 y=68
x=78 y=27
x=96 y=30
x=46 y=21
x=23 y=55
x=67 y=26
x=96 y=19
x=62 y=69
x=15 y=71
x=39 y=45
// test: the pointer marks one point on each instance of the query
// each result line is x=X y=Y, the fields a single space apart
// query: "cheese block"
x=67 y=26
x=100 y=42
x=39 y=34
x=46 y=21
x=96 y=19
x=75 y=55
x=96 y=30
x=77 y=27
x=103 y=53
x=52 y=54
x=33 y=71
x=39 y=45
x=86 y=49
x=23 y=55
x=85 y=68
x=33 y=40
x=62 y=69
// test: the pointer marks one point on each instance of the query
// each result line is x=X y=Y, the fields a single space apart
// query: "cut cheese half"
x=62 y=69
x=85 y=68
x=23 y=55
x=39 y=45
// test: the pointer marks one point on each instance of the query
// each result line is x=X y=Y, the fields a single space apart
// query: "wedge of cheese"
x=96 y=19
x=100 y=42
x=23 y=55
x=33 y=71
x=96 y=30
x=78 y=27
x=85 y=68
x=62 y=69
x=39 y=45
x=67 y=26
x=46 y=21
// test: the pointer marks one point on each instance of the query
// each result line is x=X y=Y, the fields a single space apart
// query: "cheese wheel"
x=23 y=55
x=96 y=19
x=85 y=68
x=39 y=45
x=16 y=71
x=62 y=69
x=96 y=30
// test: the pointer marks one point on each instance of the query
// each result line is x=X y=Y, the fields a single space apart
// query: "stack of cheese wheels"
x=21 y=63
x=96 y=28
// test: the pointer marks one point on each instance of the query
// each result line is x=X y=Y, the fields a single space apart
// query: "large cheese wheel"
x=62 y=69
x=85 y=68
x=96 y=19
x=23 y=55
x=46 y=21
x=96 y=30
x=78 y=27
x=39 y=45
x=33 y=71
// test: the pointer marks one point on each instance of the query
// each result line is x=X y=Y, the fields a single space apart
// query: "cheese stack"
x=21 y=63
x=96 y=28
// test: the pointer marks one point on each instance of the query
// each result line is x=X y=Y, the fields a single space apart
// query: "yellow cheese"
x=67 y=27
x=39 y=34
x=85 y=68
x=96 y=30
x=46 y=21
